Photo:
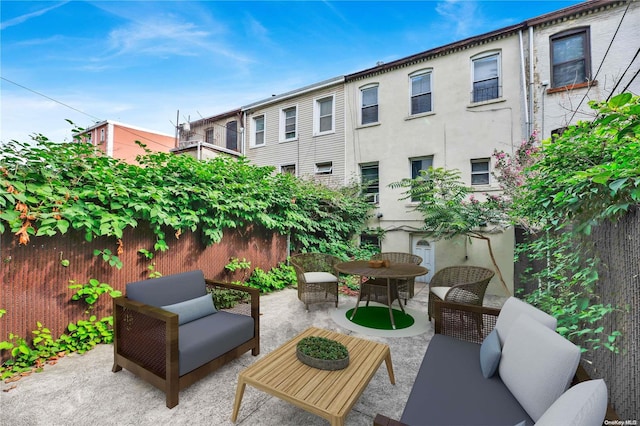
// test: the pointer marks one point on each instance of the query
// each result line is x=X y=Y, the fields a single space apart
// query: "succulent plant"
x=322 y=348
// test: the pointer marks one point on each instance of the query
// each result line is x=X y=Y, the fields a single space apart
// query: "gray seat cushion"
x=450 y=390
x=207 y=338
x=169 y=289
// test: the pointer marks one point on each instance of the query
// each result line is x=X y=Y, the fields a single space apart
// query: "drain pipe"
x=524 y=89
x=531 y=85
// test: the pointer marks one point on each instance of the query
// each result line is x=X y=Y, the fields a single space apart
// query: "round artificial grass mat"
x=378 y=317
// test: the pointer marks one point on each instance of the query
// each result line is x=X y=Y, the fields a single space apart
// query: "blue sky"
x=139 y=62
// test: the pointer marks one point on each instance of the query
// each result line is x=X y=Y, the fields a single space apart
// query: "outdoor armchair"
x=168 y=332
x=317 y=277
x=406 y=286
x=462 y=284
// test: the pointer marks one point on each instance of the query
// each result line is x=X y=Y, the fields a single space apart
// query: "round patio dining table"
x=392 y=272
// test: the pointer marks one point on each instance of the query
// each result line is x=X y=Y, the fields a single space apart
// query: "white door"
x=424 y=249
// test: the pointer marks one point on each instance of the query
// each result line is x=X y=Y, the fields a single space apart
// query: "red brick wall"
x=34 y=283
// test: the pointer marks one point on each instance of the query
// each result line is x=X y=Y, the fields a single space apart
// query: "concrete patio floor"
x=82 y=390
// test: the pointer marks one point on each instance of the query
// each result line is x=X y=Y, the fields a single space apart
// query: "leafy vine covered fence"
x=35 y=277
x=617 y=244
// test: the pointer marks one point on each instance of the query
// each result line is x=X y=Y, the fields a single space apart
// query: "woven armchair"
x=406 y=286
x=317 y=277
x=461 y=284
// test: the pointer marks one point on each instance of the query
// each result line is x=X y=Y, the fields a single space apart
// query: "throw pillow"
x=585 y=404
x=537 y=365
x=490 y=354
x=192 y=309
x=515 y=307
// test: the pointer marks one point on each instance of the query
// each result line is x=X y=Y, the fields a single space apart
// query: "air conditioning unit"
x=324 y=168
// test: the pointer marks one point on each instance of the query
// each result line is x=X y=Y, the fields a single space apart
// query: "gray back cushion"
x=537 y=365
x=169 y=289
x=511 y=311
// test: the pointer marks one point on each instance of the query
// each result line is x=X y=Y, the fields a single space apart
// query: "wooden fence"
x=35 y=281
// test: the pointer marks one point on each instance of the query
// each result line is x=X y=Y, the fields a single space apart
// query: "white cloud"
x=23 y=18
x=148 y=31
x=463 y=15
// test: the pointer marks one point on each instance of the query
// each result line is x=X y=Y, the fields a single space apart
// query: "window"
x=570 y=57
x=486 y=78
x=324 y=168
x=232 y=135
x=258 y=131
x=288 y=168
x=419 y=164
x=480 y=171
x=368 y=240
x=421 y=93
x=370 y=182
x=208 y=136
x=102 y=135
x=369 y=105
x=323 y=114
x=288 y=123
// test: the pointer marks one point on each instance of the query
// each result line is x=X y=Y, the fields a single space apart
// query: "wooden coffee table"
x=329 y=394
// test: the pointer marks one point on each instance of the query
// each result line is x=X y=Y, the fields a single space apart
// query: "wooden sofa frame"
x=450 y=319
x=146 y=343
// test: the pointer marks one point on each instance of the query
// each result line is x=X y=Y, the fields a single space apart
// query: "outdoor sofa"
x=168 y=332
x=516 y=373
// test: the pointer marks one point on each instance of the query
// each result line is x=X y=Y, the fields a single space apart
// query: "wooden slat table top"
x=329 y=394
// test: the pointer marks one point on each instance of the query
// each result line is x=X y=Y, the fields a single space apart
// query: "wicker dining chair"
x=462 y=284
x=317 y=277
x=378 y=286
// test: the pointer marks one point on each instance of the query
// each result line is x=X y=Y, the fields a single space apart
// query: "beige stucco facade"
x=454 y=133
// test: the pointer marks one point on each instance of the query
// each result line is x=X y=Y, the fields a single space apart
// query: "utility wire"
x=601 y=62
x=50 y=98
x=623 y=74
x=631 y=81
x=84 y=113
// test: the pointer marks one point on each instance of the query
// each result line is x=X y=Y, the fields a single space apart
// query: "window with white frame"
x=486 y=77
x=371 y=182
x=257 y=136
x=325 y=168
x=288 y=123
x=369 y=110
x=480 y=171
x=418 y=165
x=323 y=115
x=102 y=135
x=570 y=57
x=288 y=168
x=421 y=92
x=208 y=136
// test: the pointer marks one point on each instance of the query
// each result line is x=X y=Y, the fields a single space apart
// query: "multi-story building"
x=581 y=53
x=300 y=132
x=118 y=140
x=448 y=107
x=212 y=136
